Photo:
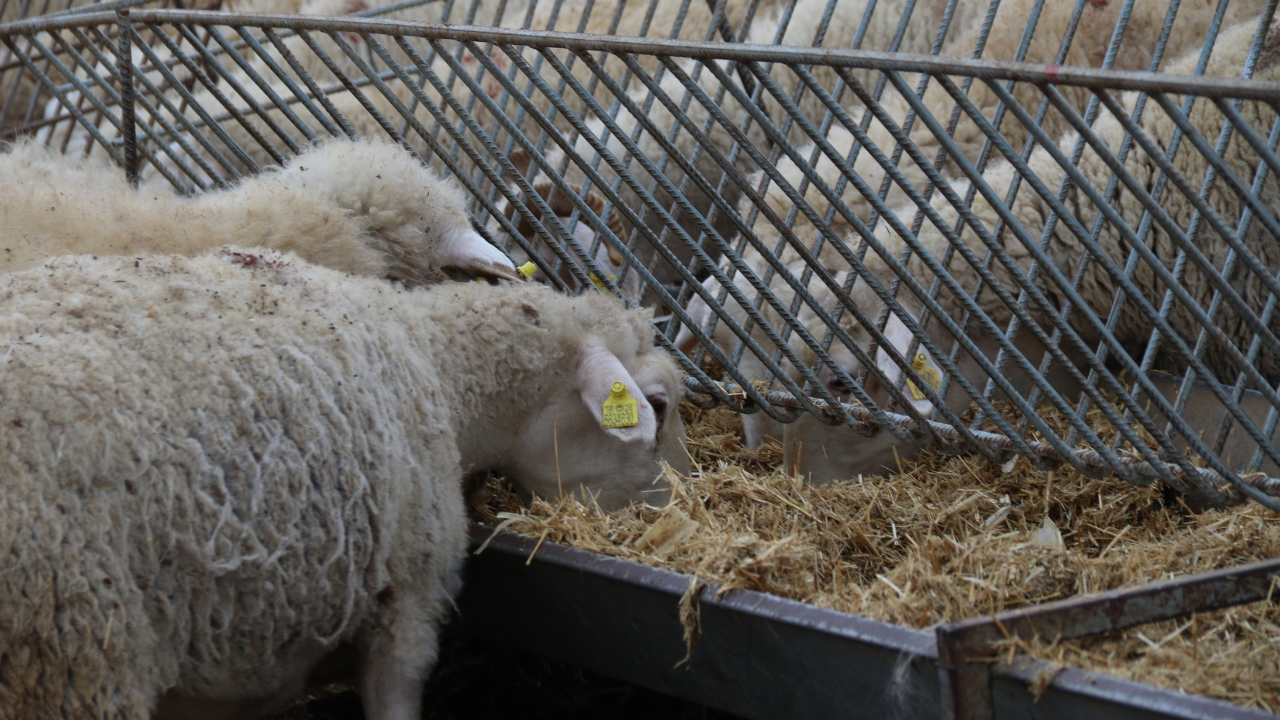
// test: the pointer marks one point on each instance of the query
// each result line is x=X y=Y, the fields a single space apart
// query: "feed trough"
x=759 y=656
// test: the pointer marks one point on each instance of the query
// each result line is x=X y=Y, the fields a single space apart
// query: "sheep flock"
x=248 y=386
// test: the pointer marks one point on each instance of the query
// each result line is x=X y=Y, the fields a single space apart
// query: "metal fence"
x=1073 y=259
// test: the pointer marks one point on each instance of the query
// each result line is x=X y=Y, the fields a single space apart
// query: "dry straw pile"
x=947 y=537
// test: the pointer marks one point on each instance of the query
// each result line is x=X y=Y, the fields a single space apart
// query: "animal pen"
x=922 y=247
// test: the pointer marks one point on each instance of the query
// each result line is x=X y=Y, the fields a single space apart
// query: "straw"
x=948 y=537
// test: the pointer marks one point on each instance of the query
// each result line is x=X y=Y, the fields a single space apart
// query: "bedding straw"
x=947 y=537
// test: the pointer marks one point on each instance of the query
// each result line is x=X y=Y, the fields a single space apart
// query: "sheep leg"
x=400 y=648
x=392 y=676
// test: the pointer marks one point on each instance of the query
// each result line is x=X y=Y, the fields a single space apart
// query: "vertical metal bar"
x=128 y=115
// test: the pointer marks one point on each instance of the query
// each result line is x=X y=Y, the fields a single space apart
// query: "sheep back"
x=208 y=482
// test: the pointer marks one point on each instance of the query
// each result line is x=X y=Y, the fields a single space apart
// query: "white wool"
x=1098 y=289
x=222 y=470
x=366 y=207
x=1087 y=49
x=835 y=453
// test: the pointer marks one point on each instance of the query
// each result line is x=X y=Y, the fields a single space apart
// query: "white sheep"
x=828 y=454
x=366 y=207
x=223 y=470
x=607 y=258
x=846 y=19
x=1088 y=49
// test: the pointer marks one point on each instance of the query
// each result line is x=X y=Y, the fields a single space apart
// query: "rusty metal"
x=965 y=647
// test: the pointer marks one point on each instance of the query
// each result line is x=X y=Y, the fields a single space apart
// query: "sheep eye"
x=659 y=405
x=839 y=386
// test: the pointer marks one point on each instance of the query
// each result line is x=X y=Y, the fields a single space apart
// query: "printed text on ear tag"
x=527 y=270
x=620 y=409
x=926 y=373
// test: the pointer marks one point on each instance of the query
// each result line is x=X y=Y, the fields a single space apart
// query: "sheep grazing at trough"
x=226 y=474
x=825 y=453
x=834 y=453
x=366 y=207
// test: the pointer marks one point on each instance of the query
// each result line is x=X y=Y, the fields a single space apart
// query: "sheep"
x=844 y=22
x=365 y=207
x=607 y=259
x=1066 y=250
x=758 y=426
x=224 y=472
x=1087 y=49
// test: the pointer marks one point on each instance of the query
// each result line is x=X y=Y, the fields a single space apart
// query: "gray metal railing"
x=1078 y=264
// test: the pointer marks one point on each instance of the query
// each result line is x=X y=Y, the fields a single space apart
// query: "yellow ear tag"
x=600 y=285
x=620 y=409
x=527 y=270
x=926 y=373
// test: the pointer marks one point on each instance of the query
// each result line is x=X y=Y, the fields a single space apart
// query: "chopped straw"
x=947 y=537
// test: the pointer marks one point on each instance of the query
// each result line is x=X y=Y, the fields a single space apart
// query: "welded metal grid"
x=650 y=143
x=22 y=100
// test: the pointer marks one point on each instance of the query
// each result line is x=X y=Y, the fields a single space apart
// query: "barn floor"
x=478 y=680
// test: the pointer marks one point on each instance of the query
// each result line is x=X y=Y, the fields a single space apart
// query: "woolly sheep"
x=1098 y=287
x=366 y=207
x=836 y=447
x=606 y=258
x=844 y=22
x=1087 y=49
x=224 y=471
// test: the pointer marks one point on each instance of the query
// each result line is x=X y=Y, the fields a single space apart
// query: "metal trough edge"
x=757 y=656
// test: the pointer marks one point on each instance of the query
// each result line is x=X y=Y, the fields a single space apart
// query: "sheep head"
x=578 y=442
x=607 y=257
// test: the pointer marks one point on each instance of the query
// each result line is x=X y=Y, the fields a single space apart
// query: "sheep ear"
x=463 y=250
x=606 y=257
x=598 y=371
x=900 y=337
x=700 y=312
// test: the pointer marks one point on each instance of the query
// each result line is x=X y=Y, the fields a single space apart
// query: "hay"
x=948 y=537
